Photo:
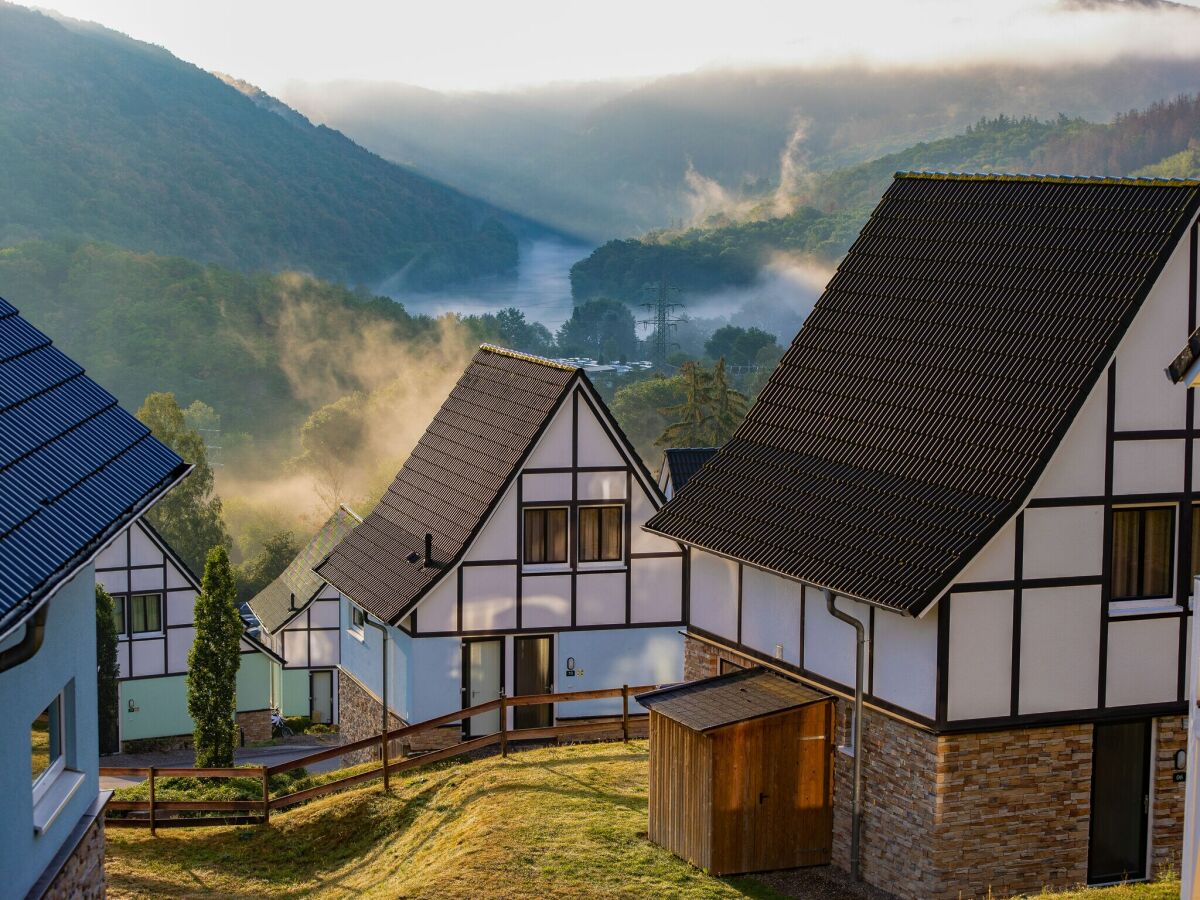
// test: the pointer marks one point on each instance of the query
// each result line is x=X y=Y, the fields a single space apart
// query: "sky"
x=490 y=45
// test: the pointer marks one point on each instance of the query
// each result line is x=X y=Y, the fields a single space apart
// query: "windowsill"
x=55 y=798
x=359 y=634
x=547 y=567
x=615 y=565
x=146 y=635
x=846 y=750
x=1155 y=606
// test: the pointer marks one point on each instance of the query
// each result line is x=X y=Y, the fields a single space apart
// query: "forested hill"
x=825 y=212
x=106 y=138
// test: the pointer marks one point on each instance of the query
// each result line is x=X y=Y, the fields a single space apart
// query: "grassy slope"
x=558 y=822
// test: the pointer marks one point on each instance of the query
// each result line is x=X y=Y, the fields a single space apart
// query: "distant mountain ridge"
x=106 y=138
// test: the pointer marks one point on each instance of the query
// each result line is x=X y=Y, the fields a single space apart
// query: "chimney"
x=428 y=550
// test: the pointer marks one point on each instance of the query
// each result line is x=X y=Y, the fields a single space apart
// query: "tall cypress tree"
x=213 y=663
x=108 y=705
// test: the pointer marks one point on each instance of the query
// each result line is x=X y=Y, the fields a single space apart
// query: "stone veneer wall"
x=1012 y=810
x=359 y=715
x=1166 y=820
x=82 y=875
x=980 y=814
x=255 y=725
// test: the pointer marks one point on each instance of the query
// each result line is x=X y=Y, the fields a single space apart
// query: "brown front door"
x=533 y=672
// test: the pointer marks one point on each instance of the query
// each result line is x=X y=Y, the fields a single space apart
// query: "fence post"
x=625 y=713
x=266 y=785
x=152 y=799
x=503 y=725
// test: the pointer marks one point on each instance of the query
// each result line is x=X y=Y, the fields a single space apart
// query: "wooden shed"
x=741 y=772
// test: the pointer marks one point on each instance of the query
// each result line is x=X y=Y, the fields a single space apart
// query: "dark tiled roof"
x=933 y=380
x=75 y=468
x=451 y=480
x=273 y=606
x=1186 y=359
x=684 y=462
x=726 y=699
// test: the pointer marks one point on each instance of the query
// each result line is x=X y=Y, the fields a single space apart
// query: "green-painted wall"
x=295 y=692
x=162 y=702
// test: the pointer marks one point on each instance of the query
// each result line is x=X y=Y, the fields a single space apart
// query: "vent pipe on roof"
x=292 y=601
x=856 y=799
x=35 y=633
x=428 y=551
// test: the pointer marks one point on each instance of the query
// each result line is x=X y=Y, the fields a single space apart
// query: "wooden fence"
x=258 y=811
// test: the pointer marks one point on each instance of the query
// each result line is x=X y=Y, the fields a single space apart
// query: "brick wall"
x=360 y=716
x=82 y=875
x=1166 y=822
x=255 y=725
x=1012 y=810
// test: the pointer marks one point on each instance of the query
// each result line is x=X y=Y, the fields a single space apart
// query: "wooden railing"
x=258 y=811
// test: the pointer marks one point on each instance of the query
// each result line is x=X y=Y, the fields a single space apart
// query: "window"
x=1195 y=543
x=145 y=613
x=47 y=746
x=599 y=533
x=358 y=618
x=1142 y=542
x=119 y=614
x=545 y=535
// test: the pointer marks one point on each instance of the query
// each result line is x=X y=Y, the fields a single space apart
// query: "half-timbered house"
x=300 y=619
x=154 y=592
x=508 y=555
x=971 y=450
x=679 y=465
x=75 y=470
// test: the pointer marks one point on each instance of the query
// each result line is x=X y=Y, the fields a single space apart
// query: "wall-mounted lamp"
x=779 y=651
x=1180 y=759
x=132 y=708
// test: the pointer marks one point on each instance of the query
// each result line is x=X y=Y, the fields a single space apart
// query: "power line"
x=662 y=320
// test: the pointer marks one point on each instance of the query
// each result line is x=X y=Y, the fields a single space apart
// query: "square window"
x=600 y=536
x=145 y=613
x=545 y=535
x=1142 y=547
x=358 y=618
x=46 y=745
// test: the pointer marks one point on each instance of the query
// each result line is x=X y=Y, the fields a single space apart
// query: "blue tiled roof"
x=75 y=468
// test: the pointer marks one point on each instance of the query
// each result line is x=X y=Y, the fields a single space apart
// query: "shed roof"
x=75 y=468
x=450 y=482
x=297 y=585
x=684 y=462
x=938 y=372
x=727 y=699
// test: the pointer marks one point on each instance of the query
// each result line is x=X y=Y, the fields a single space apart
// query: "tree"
x=530 y=337
x=213 y=663
x=256 y=573
x=740 y=346
x=690 y=419
x=638 y=407
x=728 y=407
x=599 y=329
x=189 y=516
x=107 y=672
x=330 y=438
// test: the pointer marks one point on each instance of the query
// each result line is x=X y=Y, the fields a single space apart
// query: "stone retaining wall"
x=360 y=716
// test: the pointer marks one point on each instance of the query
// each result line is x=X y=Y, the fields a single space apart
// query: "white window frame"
x=46 y=779
x=607 y=564
x=142 y=635
x=357 y=629
x=1179 y=555
x=565 y=565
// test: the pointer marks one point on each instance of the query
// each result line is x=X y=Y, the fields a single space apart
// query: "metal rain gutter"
x=856 y=802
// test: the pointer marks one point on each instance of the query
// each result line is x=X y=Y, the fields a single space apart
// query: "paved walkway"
x=288 y=749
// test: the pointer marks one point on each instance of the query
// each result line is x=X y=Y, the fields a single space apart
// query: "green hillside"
x=105 y=138
x=141 y=323
x=829 y=209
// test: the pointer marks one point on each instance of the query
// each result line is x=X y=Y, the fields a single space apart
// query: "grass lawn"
x=556 y=822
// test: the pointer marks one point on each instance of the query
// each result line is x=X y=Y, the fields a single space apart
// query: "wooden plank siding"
x=681 y=766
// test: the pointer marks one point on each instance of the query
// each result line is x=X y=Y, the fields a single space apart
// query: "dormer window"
x=545 y=535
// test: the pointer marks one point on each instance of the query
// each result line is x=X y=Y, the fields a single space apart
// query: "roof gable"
x=75 y=468
x=682 y=463
x=454 y=476
x=938 y=372
x=298 y=585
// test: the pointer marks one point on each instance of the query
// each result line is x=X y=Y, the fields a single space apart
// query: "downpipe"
x=35 y=633
x=856 y=801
